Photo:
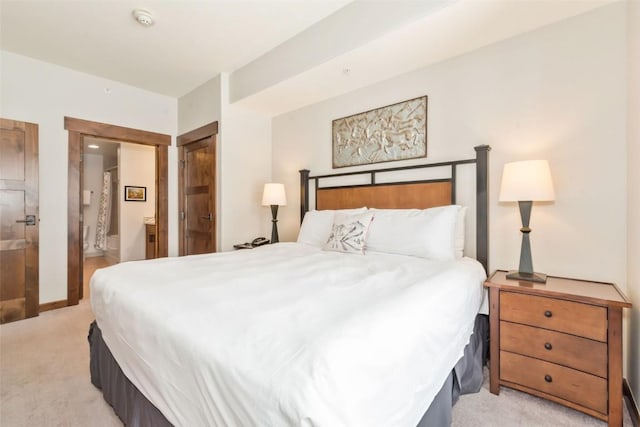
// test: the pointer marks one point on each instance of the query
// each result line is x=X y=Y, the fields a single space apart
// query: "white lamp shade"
x=274 y=195
x=529 y=180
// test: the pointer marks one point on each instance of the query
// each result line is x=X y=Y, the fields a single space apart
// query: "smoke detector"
x=143 y=17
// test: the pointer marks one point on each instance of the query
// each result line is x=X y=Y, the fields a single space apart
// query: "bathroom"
x=114 y=222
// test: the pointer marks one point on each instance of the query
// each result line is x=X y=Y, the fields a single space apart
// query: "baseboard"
x=632 y=405
x=53 y=305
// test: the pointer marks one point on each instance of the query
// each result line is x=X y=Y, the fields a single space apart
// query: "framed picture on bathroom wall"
x=135 y=194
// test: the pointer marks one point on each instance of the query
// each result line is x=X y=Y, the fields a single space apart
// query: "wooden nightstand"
x=561 y=341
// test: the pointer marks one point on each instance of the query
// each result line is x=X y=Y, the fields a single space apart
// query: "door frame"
x=206 y=131
x=79 y=129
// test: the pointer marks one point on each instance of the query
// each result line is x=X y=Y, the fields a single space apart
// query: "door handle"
x=29 y=220
x=208 y=216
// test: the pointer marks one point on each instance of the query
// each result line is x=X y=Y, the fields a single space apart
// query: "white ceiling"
x=190 y=42
x=106 y=147
x=459 y=27
x=193 y=41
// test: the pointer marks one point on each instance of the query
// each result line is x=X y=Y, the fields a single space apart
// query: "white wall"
x=633 y=190
x=136 y=168
x=556 y=93
x=199 y=107
x=245 y=166
x=243 y=159
x=93 y=167
x=43 y=93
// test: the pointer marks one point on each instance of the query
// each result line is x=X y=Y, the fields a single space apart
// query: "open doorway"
x=79 y=130
x=115 y=223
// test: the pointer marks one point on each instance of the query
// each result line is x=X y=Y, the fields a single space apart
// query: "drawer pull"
x=548 y=378
x=547 y=314
x=548 y=346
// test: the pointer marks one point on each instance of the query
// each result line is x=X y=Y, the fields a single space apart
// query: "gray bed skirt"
x=136 y=411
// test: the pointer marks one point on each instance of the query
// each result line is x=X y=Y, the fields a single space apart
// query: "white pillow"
x=349 y=233
x=460 y=229
x=428 y=233
x=316 y=225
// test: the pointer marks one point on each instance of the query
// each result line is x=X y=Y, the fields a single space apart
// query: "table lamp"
x=274 y=196
x=526 y=182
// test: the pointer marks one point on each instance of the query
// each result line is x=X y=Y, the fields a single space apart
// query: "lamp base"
x=530 y=277
x=274 y=222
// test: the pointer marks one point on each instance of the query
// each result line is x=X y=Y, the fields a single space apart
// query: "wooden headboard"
x=405 y=194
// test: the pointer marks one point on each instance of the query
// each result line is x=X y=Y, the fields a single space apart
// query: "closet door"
x=18 y=220
x=197 y=184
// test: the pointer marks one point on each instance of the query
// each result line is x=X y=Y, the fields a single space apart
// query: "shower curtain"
x=104 y=213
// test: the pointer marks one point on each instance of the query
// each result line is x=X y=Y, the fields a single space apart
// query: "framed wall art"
x=135 y=194
x=394 y=132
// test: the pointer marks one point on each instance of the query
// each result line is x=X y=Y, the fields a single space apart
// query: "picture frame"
x=134 y=193
x=390 y=133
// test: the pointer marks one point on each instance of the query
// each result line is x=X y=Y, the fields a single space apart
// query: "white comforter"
x=287 y=334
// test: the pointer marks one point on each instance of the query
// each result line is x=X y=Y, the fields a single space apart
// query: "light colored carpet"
x=44 y=372
x=44 y=381
x=514 y=408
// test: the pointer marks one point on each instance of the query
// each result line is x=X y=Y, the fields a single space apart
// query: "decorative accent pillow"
x=316 y=225
x=428 y=233
x=349 y=233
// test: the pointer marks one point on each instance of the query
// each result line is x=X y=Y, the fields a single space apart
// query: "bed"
x=302 y=335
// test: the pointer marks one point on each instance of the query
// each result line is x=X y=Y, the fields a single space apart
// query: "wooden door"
x=197 y=193
x=18 y=220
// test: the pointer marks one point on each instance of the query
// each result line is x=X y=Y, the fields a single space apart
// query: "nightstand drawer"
x=578 y=387
x=575 y=318
x=569 y=350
